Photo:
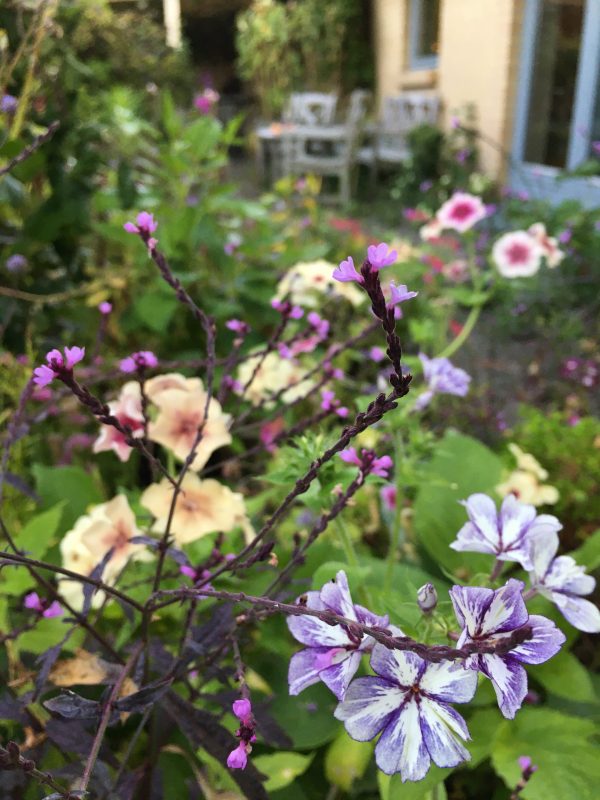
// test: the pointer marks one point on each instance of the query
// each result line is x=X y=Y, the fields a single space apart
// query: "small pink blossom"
x=269 y=433
x=242 y=709
x=56 y=363
x=105 y=307
x=287 y=309
x=350 y=456
x=378 y=466
x=329 y=402
x=376 y=354
x=381 y=466
x=144 y=223
x=346 y=272
x=461 y=212
x=399 y=294
x=137 y=361
x=238 y=758
x=238 y=325
x=320 y=325
x=388 y=496
x=33 y=602
x=517 y=255
x=380 y=255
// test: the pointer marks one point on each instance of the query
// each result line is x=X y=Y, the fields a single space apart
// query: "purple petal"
x=368 y=706
x=515 y=519
x=546 y=642
x=509 y=680
x=315 y=633
x=470 y=605
x=401 y=747
x=402 y=668
x=53 y=610
x=507 y=610
x=441 y=726
x=449 y=682
x=482 y=513
x=43 y=375
x=582 y=614
x=542 y=550
x=305 y=667
x=338 y=676
x=470 y=540
x=567 y=576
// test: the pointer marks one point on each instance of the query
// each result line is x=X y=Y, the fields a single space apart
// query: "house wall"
x=479 y=49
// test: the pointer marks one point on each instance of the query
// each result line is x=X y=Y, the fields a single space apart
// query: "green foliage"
x=71 y=487
x=282 y=768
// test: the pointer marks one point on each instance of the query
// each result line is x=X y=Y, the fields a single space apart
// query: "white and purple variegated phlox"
x=489 y=616
x=442 y=377
x=506 y=534
x=331 y=655
x=408 y=702
x=563 y=581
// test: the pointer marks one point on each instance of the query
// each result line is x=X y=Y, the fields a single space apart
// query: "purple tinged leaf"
x=70 y=705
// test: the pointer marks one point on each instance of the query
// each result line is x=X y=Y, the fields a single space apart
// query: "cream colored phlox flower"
x=525 y=481
x=203 y=507
x=181 y=412
x=107 y=526
x=171 y=380
x=548 y=244
x=303 y=283
x=273 y=375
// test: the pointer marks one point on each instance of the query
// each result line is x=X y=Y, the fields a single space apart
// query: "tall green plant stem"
x=352 y=558
x=462 y=337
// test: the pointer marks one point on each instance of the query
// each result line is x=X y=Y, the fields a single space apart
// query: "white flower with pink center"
x=461 y=212
x=517 y=255
x=548 y=244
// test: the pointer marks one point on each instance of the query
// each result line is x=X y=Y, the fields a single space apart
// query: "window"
x=424 y=26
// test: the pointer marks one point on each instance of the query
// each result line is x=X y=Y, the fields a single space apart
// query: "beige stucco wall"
x=478 y=63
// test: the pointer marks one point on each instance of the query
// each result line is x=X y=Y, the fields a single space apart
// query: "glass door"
x=556 y=115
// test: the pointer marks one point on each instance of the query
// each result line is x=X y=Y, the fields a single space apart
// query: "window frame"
x=415 y=21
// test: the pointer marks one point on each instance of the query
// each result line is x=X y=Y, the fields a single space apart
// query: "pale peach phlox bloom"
x=304 y=282
x=273 y=375
x=127 y=408
x=548 y=244
x=525 y=482
x=204 y=506
x=107 y=526
x=181 y=413
x=171 y=380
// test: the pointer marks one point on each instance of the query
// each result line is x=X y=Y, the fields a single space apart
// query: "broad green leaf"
x=560 y=745
x=483 y=724
x=460 y=466
x=565 y=676
x=154 y=309
x=308 y=718
x=46 y=634
x=71 y=484
x=281 y=768
x=392 y=788
x=347 y=760
x=588 y=555
x=38 y=536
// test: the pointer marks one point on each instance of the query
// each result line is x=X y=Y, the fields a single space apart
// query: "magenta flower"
x=242 y=709
x=56 y=364
x=320 y=325
x=137 y=361
x=329 y=402
x=376 y=354
x=287 y=309
x=461 y=212
x=398 y=295
x=105 y=307
x=144 y=223
x=388 y=496
x=346 y=272
x=517 y=255
x=238 y=326
x=491 y=616
x=332 y=655
x=238 y=758
x=380 y=256
x=34 y=602
x=367 y=459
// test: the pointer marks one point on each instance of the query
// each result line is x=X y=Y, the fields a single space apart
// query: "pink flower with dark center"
x=56 y=364
x=128 y=410
x=461 y=212
x=517 y=255
x=380 y=256
x=138 y=361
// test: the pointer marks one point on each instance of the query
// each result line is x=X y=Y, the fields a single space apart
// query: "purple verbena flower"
x=329 y=402
x=442 y=378
x=8 y=104
x=105 y=307
x=506 y=534
x=33 y=602
x=399 y=294
x=56 y=364
x=16 y=263
x=380 y=256
x=490 y=616
x=137 y=361
x=317 y=322
x=332 y=653
x=238 y=326
x=376 y=354
x=347 y=272
x=242 y=709
x=388 y=496
x=144 y=223
x=287 y=309
x=408 y=701
x=563 y=581
x=238 y=758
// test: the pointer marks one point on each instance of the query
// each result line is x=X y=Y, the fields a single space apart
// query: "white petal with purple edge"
x=507 y=610
x=336 y=596
x=367 y=707
x=403 y=668
x=515 y=519
x=401 y=747
x=567 y=576
x=315 y=633
x=582 y=614
x=338 y=676
x=546 y=642
x=441 y=725
x=470 y=540
x=470 y=606
x=542 y=549
x=449 y=681
x=509 y=680
x=482 y=513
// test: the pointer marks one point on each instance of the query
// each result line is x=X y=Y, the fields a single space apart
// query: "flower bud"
x=427 y=598
x=242 y=709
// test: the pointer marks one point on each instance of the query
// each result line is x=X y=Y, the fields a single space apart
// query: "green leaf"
x=154 y=309
x=568 y=763
x=39 y=535
x=71 y=484
x=347 y=760
x=460 y=466
x=392 y=788
x=46 y=634
x=588 y=555
x=281 y=768
x=565 y=676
